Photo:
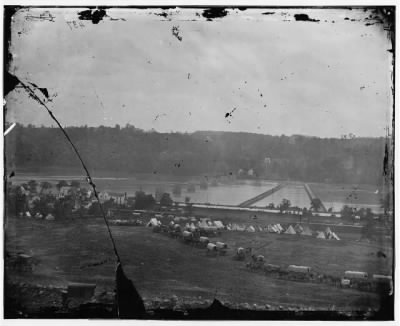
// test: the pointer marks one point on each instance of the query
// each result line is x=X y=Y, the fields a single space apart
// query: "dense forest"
x=131 y=151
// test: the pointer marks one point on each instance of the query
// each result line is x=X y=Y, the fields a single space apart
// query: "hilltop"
x=130 y=150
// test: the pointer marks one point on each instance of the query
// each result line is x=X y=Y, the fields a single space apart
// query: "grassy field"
x=324 y=256
x=161 y=266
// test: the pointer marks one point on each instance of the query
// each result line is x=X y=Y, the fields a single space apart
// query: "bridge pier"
x=312 y=196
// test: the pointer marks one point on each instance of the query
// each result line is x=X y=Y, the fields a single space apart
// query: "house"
x=104 y=196
x=51 y=205
x=130 y=201
x=32 y=200
x=63 y=192
x=119 y=198
x=46 y=191
x=85 y=193
x=89 y=193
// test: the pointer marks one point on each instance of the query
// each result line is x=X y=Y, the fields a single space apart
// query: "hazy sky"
x=274 y=74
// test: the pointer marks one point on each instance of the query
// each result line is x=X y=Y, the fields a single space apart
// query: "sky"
x=249 y=72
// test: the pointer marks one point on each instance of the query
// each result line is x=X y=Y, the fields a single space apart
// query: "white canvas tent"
x=241 y=228
x=290 y=230
x=273 y=228
x=333 y=235
x=298 y=228
x=251 y=229
x=203 y=224
x=153 y=222
x=306 y=231
x=280 y=228
x=50 y=217
x=219 y=224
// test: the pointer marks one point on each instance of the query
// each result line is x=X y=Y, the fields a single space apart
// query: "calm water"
x=336 y=196
x=226 y=194
x=337 y=206
x=233 y=193
x=295 y=193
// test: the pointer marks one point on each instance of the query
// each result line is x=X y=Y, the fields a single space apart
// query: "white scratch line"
x=9 y=129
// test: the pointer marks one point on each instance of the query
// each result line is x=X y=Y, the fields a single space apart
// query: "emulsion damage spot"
x=305 y=18
x=213 y=13
x=95 y=16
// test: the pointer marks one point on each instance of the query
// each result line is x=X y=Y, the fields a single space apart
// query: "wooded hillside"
x=131 y=150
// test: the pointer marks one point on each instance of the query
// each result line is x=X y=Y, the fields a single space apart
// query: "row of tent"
x=305 y=230
x=48 y=217
x=271 y=228
x=328 y=234
x=183 y=218
x=206 y=225
x=277 y=228
x=299 y=229
x=172 y=217
x=238 y=227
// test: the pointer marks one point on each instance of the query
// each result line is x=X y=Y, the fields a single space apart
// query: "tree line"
x=131 y=150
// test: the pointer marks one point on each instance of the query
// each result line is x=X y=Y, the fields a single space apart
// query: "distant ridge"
x=130 y=150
